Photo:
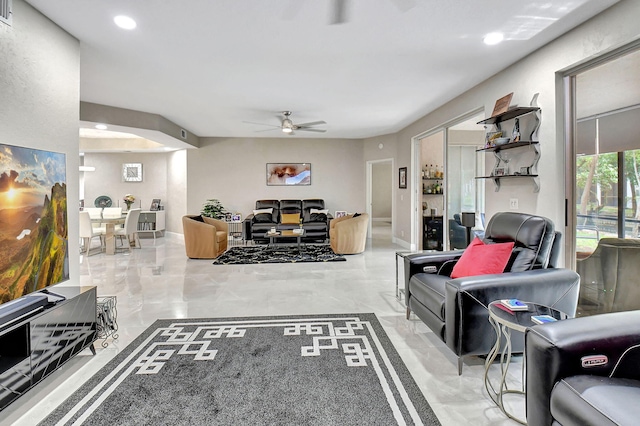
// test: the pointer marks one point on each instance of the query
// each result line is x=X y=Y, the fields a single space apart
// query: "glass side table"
x=504 y=321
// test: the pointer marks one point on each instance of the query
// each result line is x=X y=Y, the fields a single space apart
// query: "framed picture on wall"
x=288 y=174
x=132 y=172
x=402 y=178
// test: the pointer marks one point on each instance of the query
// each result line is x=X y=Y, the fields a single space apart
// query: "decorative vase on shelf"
x=128 y=205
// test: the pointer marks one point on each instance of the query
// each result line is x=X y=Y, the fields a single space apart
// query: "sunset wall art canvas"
x=33 y=220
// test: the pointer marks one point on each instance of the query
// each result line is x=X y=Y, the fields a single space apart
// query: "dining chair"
x=112 y=213
x=130 y=230
x=88 y=232
x=95 y=213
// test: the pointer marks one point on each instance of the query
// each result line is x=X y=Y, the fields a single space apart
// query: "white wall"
x=535 y=73
x=39 y=106
x=176 y=190
x=107 y=179
x=233 y=170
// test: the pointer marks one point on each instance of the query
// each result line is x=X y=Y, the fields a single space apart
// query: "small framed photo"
x=524 y=171
x=402 y=177
x=500 y=171
x=236 y=217
x=340 y=213
x=155 y=205
x=227 y=217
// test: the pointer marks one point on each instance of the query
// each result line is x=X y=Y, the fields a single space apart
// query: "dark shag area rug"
x=284 y=254
x=294 y=370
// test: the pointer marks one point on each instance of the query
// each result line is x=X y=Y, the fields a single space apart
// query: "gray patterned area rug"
x=295 y=370
x=284 y=254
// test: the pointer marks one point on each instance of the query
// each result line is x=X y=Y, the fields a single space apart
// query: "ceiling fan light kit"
x=287 y=124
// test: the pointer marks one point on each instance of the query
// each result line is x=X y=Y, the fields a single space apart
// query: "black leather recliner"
x=257 y=226
x=316 y=225
x=456 y=309
x=584 y=371
x=457 y=233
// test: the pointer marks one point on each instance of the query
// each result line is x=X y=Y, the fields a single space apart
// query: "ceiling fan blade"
x=261 y=124
x=304 y=129
x=267 y=130
x=339 y=12
x=312 y=123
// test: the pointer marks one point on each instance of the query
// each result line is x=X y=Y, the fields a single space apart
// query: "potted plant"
x=214 y=209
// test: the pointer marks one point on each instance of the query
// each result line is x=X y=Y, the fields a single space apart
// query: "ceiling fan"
x=287 y=126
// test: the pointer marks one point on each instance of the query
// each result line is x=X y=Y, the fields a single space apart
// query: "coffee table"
x=280 y=238
x=504 y=321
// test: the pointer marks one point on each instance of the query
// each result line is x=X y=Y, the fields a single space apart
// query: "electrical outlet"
x=513 y=203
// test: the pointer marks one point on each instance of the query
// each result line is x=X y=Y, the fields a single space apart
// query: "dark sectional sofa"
x=316 y=225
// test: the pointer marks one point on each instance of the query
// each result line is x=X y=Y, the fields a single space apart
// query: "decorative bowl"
x=502 y=141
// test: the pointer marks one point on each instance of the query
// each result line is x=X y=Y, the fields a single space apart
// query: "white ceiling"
x=210 y=65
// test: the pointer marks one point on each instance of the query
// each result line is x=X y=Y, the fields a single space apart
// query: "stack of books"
x=514 y=305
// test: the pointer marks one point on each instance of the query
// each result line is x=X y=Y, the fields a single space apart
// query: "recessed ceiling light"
x=493 y=38
x=124 y=22
x=101 y=126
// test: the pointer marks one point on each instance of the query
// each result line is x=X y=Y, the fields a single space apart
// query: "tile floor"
x=158 y=281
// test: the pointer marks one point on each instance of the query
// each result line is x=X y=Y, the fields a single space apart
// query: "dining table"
x=110 y=231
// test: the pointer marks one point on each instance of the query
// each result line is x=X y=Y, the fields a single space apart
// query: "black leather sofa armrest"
x=439 y=256
x=539 y=286
x=467 y=300
x=427 y=262
x=246 y=226
x=558 y=350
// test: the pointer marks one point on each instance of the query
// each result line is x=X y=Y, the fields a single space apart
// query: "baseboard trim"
x=381 y=219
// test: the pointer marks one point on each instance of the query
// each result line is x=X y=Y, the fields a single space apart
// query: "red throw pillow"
x=481 y=259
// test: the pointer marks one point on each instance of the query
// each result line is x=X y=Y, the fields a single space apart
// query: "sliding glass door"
x=465 y=193
x=604 y=179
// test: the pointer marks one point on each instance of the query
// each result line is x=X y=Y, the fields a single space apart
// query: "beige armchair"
x=204 y=237
x=348 y=234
